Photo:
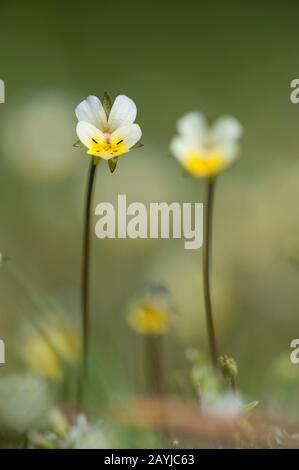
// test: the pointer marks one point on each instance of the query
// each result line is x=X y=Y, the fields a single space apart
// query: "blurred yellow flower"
x=42 y=358
x=65 y=343
x=46 y=353
x=107 y=133
x=148 y=320
x=151 y=314
x=205 y=151
x=59 y=422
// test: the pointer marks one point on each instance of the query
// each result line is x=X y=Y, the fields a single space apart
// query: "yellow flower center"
x=107 y=146
x=205 y=164
x=149 y=320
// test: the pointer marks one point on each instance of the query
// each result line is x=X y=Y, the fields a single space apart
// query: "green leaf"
x=112 y=164
x=137 y=146
x=107 y=104
x=250 y=406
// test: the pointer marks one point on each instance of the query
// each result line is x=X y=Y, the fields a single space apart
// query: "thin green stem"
x=233 y=386
x=208 y=213
x=85 y=279
x=154 y=366
x=154 y=372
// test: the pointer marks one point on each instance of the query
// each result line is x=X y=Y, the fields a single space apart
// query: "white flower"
x=228 y=406
x=111 y=135
x=24 y=400
x=82 y=435
x=203 y=150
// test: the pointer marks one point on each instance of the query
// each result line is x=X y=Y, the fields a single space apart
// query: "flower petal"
x=229 y=150
x=86 y=132
x=91 y=110
x=226 y=128
x=225 y=134
x=193 y=126
x=130 y=134
x=123 y=113
x=180 y=148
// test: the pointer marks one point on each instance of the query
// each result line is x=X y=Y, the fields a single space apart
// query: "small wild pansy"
x=150 y=315
x=202 y=150
x=107 y=130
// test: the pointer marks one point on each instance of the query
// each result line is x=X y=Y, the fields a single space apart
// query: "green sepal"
x=138 y=145
x=250 y=406
x=79 y=144
x=96 y=160
x=112 y=162
x=107 y=104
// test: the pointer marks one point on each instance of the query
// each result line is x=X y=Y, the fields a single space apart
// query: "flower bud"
x=228 y=367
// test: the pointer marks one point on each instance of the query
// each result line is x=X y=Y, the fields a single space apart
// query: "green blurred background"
x=170 y=57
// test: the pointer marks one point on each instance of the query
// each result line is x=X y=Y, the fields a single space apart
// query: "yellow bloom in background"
x=107 y=133
x=47 y=353
x=150 y=315
x=202 y=150
x=65 y=344
x=42 y=358
x=148 y=320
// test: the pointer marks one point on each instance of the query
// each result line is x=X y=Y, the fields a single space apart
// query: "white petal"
x=226 y=129
x=131 y=134
x=91 y=110
x=193 y=126
x=86 y=132
x=229 y=150
x=123 y=113
x=180 y=147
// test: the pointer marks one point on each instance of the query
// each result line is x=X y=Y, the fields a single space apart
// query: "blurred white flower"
x=107 y=133
x=227 y=406
x=62 y=434
x=41 y=147
x=24 y=399
x=205 y=151
x=82 y=435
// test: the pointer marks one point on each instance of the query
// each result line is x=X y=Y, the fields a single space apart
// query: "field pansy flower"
x=107 y=131
x=202 y=150
x=150 y=315
x=149 y=319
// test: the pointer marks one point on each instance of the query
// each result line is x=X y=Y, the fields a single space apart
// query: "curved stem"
x=206 y=270
x=85 y=279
